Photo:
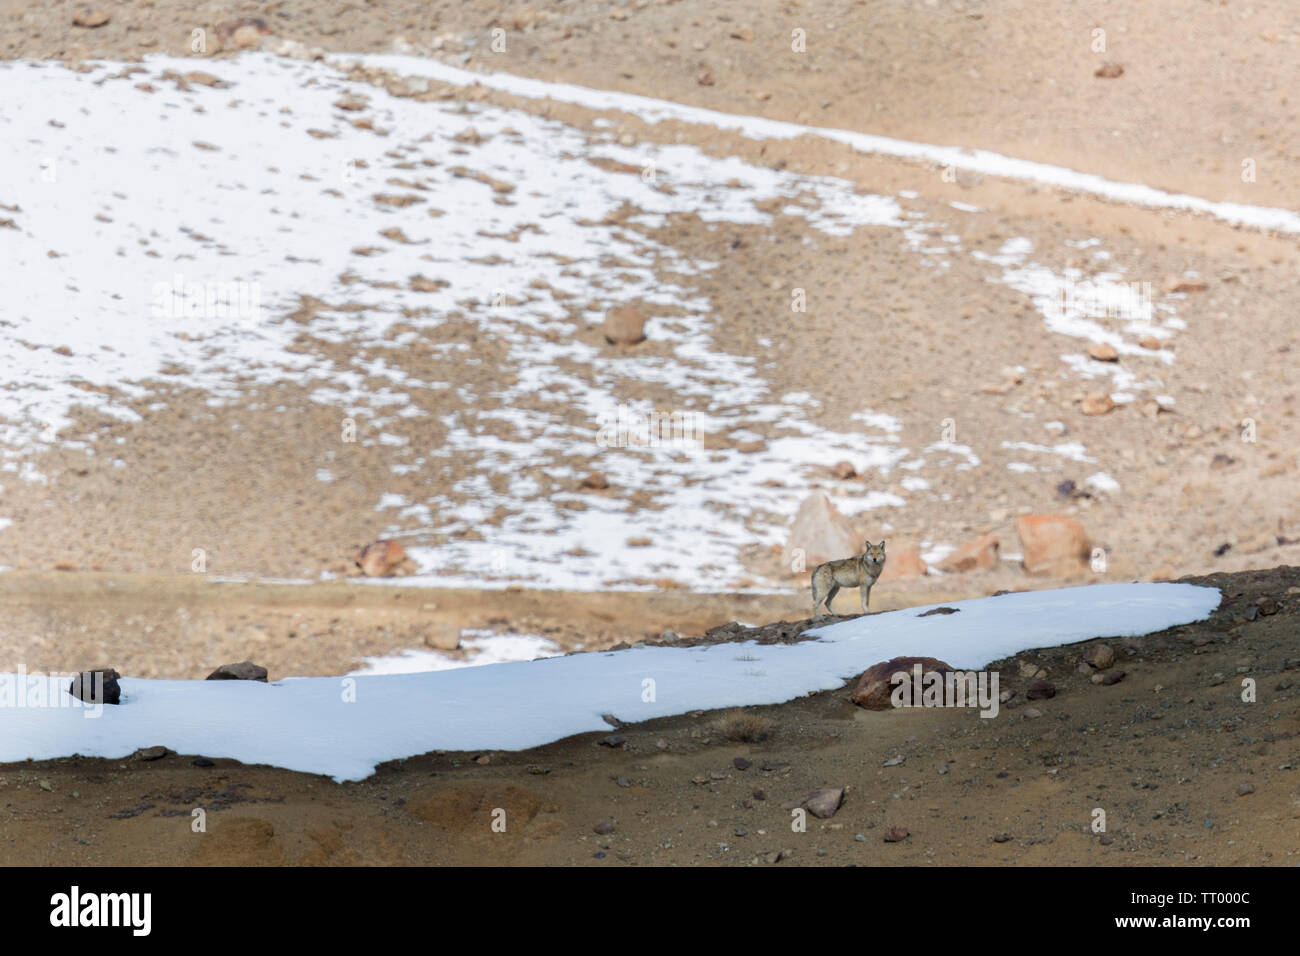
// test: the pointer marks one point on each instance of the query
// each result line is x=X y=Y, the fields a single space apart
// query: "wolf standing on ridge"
x=860 y=572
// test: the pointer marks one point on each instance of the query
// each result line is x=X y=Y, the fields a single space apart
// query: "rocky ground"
x=1169 y=752
x=1185 y=771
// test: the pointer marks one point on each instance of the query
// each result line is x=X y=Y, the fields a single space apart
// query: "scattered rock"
x=151 y=753
x=380 y=559
x=705 y=78
x=604 y=828
x=1103 y=352
x=595 y=481
x=244 y=670
x=97 y=687
x=613 y=740
x=1184 y=284
x=1030 y=713
x=1267 y=606
x=1109 y=70
x=1245 y=788
x=1150 y=342
x=1001 y=837
x=1096 y=404
x=1112 y=677
x=844 y=471
x=89 y=17
x=202 y=762
x=896 y=834
x=624 y=325
x=822 y=804
x=875 y=687
x=242 y=33
x=740 y=763
x=442 y=637
x=982 y=553
x=1099 y=656
x=1053 y=545
x=1041 y=690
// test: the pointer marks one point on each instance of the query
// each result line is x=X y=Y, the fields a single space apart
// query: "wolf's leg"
x=830 y=596
x=865 y=593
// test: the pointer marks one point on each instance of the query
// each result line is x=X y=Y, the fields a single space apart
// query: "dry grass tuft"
x=741 y=727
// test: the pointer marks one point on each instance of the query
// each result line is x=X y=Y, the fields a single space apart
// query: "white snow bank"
x=345 y=726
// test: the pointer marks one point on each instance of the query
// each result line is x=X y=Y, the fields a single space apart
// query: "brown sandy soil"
x=1185 y=771
x=1205 y=85
x=921 y=346
x=241 y=486
x=183 y=627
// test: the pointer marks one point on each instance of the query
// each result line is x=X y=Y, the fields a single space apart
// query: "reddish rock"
x=903 y=560
x=595 y=482
x=875 y=687
x=1109 y=70
x=380 y=558
x=1053 y=545
x=1103 y=352
x=821 y=534
x=1098 y=404
x=982 y=553
x=844 y=471
x=624 y=325
x=896 y=834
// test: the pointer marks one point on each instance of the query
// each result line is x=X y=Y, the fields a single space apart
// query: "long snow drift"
x=345 y=726
x=654 y=110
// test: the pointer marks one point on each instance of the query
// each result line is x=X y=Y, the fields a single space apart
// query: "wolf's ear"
x=882 y=544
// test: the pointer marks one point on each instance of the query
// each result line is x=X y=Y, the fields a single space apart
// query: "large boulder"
x=819 y=534
x=903 y=560
x=1053 y=545
x=981 y=554
x=875 y=687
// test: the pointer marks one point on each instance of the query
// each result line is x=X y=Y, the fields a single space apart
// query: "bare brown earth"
x=183 y=627
x=925 y=350
x=1205 y=86
x=1184 y=770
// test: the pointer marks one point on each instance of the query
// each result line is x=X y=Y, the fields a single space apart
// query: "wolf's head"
x=874 y=553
